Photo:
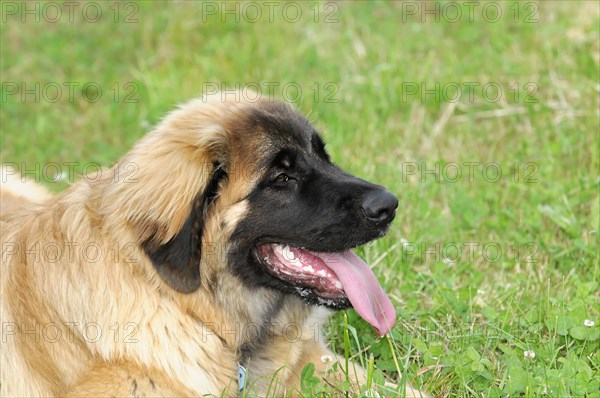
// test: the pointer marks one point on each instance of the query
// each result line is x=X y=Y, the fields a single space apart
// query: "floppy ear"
x=178 y=260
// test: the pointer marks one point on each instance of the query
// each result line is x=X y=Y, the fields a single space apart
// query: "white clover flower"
x=588 y=323
x=326 y=358
x=449 y=261
x=529 y=354
x=370 y=393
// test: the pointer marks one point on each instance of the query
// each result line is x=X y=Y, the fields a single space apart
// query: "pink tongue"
x=362 y=288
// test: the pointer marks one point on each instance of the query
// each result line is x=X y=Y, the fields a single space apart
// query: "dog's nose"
x=379 y=206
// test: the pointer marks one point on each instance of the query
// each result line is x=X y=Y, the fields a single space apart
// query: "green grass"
x=463 y=325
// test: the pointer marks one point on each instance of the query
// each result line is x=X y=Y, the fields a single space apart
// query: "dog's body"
x=156 y=278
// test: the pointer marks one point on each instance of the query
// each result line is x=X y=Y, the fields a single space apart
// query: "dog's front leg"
x=325 y=367
x=324 y=360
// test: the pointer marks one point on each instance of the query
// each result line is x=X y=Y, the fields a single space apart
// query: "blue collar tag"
x=241 y=373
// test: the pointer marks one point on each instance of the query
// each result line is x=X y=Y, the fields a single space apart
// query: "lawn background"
x=465 y=320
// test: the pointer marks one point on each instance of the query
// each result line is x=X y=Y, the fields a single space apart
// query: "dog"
x=200 y=263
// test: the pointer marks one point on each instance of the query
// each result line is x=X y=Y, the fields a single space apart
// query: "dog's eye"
x=281 y=179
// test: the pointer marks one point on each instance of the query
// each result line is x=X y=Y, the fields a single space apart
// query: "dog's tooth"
x=296 y=262
x=338 y=284
x=288 y=253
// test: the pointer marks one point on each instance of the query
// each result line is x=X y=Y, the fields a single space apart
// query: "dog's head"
x=255 y=180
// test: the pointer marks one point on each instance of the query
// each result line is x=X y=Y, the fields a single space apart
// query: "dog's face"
x=303 y=205
x=301 y=216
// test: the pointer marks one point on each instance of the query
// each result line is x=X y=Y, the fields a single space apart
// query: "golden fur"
x=84 y=312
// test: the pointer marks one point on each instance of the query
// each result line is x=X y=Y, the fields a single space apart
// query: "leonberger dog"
x=202 y=263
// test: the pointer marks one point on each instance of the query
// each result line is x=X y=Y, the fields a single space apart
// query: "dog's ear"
x=178 y=260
